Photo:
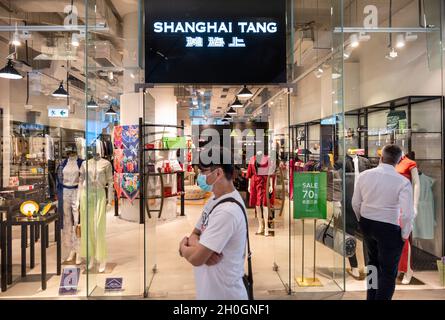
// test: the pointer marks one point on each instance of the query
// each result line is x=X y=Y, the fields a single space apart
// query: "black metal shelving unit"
x=145 y=174
x=362 y=115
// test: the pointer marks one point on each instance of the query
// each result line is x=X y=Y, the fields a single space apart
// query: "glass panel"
x=385 y=44
x=41 y=119
x=114 y=228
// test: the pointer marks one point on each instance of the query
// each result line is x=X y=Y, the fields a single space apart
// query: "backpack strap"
x=249 y=253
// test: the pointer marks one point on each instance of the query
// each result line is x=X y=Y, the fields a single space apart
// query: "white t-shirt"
x=223 y=231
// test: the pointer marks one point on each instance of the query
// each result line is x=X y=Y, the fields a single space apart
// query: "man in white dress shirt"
x=383 y=204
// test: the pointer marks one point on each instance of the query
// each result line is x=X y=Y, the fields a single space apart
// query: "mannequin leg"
x=67 y=232
x=259 y=216
x=266 y=221
x=88 y=239
x=409 y=271
x=75 y=239
x=101 y=216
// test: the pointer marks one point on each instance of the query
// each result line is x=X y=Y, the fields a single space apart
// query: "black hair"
x=219 y=162
x=391 y=154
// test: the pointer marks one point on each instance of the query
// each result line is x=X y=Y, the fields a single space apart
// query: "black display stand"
x=145 y=172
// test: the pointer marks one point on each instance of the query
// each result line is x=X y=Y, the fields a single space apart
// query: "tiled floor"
x=174 y=276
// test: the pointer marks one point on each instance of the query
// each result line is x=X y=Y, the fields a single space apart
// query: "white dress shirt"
x=382 y=194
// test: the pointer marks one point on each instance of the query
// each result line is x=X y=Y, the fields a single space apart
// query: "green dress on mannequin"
x=93 y=209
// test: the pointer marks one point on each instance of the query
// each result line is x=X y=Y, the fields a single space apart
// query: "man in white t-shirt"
x=217 y=245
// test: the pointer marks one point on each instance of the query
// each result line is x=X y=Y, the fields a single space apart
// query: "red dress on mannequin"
x=404 y=168
x=258 y=182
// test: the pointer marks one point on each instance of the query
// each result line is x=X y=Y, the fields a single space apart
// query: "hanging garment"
x=405 y=166
x=130 y=138
x=294 y=166
x=117 y=137
x=118 y=184
x=130 y=162
x=118 y=160
x=130 y=186
x=37 y=147
x=49 y=147
x=93 y=209
x=81 y=148
x=424 y=222
x=258 y=174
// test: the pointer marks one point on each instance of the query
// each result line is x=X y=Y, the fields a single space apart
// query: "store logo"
x=215 y=28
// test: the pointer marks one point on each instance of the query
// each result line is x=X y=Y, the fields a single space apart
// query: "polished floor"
x=170 y=277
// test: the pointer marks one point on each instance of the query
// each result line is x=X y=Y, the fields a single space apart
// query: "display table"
x=6 y=210
x=40 y=222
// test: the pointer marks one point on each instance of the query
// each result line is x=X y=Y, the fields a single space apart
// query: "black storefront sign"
x=215 y=41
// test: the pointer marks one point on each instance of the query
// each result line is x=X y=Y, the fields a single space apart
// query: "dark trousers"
x=384 y=247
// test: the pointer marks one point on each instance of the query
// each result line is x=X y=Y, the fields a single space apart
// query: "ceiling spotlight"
x=92 y=104
x=354 y=40
x=245 y=93
x=346 y=54
x=410 y=37
x=336 y=75
x=231 y=111
x=110 y=112
x=363 y=37
x=318 y=74
x=237 y=104
x=227 y=117
x=9 y=72
x=400 y=42
x=75 y=41
x=60 y=92
x=111 y=75
x=392 y=54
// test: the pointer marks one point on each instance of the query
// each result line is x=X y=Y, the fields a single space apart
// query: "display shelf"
x=144 y=175
x=165 y=149
x=175 y=195
x=153 y=174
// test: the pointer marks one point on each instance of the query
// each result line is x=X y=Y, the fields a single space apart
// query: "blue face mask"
x=202 y=183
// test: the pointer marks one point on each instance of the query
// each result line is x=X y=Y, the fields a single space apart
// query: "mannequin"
x=257 y=173
x=68 y=174
x=408 y=168
x=100 y=176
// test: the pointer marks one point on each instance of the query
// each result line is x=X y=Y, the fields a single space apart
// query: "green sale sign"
x=310 y=191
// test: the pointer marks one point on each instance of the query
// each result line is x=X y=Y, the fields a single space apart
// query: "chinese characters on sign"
x=215 y=28
x=310 y=195
x=214 y=42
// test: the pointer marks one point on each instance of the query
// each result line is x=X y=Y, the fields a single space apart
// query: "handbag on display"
x=336 y=239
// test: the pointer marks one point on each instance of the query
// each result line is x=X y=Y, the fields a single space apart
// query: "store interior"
x=71 y=94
